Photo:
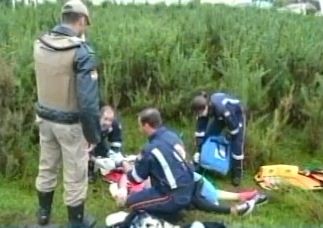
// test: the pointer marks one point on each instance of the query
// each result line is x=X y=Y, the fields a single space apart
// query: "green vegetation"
x=153 y=55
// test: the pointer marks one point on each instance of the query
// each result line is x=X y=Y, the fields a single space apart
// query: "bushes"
x=10 y=122
x=161 y=56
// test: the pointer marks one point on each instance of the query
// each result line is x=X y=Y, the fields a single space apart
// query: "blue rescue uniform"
x=171 y=178
x=225 y=112
x=111 y=140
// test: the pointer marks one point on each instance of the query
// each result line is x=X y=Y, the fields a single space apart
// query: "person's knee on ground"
x=156 y=203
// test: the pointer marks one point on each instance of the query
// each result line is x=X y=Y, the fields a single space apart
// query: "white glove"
x=131 y=158
x=104 y=164
x=117 y=157
x=196 y=157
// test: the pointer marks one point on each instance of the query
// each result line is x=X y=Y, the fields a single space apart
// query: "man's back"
x=162 y=159
x=54 y=61
x=67 y=86
x=168 y=168
x=222 y=102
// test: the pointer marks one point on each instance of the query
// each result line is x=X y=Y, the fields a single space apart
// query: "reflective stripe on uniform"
x=199 y=134
x=235 y=131
x=237 y=157
x=228 y=100
x=116 y=144
x=178 y=158
x=227 y=113
x=180 y=149
x=167 y=171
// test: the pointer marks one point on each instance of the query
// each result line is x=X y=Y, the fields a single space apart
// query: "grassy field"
x=287 y=209
x=157 y=55
x=292 y=208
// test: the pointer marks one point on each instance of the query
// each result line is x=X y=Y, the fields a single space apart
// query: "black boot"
x=91 y=173
x=45 y=204
x=236 y=172
x=76 y=217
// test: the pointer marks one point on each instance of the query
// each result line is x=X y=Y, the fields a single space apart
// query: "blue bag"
x=215 y=154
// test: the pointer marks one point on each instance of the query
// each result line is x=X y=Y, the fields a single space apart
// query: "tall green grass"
x=154 y=55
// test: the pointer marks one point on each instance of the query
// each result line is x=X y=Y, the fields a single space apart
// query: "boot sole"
x=262 y=203
x=249 y=210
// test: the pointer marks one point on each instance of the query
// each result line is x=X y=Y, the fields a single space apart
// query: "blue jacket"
x=161 y=161
x=87 y=89
x=225 y=111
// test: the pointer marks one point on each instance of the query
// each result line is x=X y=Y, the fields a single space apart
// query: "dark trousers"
x=153 y=201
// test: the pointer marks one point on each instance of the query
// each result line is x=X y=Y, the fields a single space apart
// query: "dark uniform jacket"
x=162 y=161
x=111 y=139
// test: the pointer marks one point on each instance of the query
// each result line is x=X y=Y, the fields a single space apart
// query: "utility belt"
x=57 y=116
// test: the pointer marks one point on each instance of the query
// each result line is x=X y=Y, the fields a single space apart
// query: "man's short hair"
x=150 y=116
x=107 y=108
x=71 y=17
x=199 y=103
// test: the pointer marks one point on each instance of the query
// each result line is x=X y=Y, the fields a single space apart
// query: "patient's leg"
x=246 y=195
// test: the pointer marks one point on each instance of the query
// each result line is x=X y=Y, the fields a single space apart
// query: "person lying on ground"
x=206 y=197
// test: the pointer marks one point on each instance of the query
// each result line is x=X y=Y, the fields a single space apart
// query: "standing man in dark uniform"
x=67 y=112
